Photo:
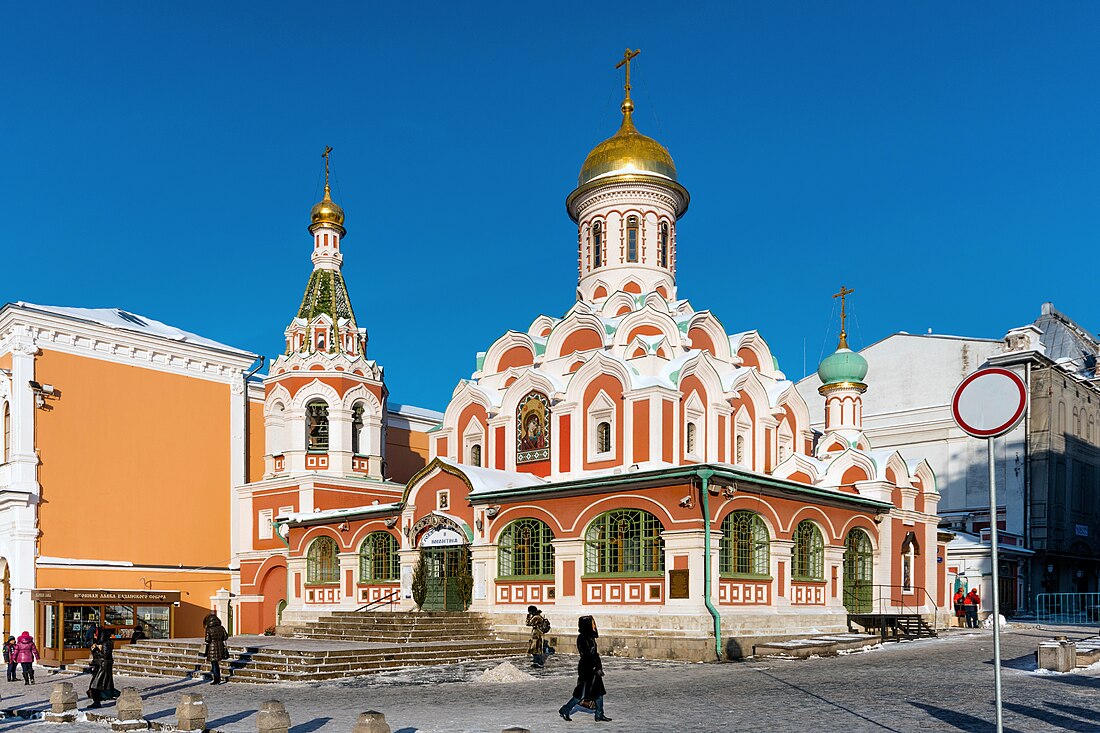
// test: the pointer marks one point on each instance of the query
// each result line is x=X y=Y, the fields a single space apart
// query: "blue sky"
x=940 y=158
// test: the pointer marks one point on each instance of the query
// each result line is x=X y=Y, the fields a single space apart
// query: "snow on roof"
x=965 y=543
x=411 y=411
x=299 y=517
x=485 y=480
x=124 y=321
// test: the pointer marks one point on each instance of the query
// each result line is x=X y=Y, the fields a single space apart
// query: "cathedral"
x=628 y=459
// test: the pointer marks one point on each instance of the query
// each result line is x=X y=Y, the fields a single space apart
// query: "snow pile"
x=988 y=623
x=503 y=672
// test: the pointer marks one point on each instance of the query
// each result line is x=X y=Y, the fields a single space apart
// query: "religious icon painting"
x=533 y=428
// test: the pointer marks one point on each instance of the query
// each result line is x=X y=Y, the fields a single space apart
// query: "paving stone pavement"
x=943 y=684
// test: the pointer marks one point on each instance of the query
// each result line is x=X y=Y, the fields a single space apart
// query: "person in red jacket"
x=971 y=605
x=959 y=599
x=26 y=653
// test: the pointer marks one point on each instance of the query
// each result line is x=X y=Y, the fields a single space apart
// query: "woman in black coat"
x=102 y=686
x=589 y=691
x=216 y=651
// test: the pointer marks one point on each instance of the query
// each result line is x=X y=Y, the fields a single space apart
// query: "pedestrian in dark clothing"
x=539 y=626
x=138 y=635
x=102 y=686
x=971 y=605
x=9 y=658
x=589 y=691
x=91 y=633
x=26 y=653
x=216 y=651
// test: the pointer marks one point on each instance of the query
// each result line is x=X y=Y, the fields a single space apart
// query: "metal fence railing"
x=1067 y=608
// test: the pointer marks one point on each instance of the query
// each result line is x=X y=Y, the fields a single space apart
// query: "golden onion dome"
x=627 y=151
x=327 y=211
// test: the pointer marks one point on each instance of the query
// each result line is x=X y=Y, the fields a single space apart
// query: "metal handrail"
x=885 y=600
x=390 y=598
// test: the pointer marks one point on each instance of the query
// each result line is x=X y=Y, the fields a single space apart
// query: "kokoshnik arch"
x=630 y=458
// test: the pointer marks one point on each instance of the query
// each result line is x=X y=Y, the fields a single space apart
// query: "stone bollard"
x=371 y=722
x=273 y=718
x=63 y=700
x=1057 y=656
x=130 y=712
x=191 y=712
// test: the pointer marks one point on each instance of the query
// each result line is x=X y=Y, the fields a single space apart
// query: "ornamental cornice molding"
x=30 y=332
x=627 y=193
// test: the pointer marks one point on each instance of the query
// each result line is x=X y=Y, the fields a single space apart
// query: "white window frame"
x=265 y=522
x=473 y=434
x=695 y=414
x=785 y=442
x=601 y=410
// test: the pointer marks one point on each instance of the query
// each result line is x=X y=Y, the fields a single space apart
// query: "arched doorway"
x=5 y=586
x=859 y=561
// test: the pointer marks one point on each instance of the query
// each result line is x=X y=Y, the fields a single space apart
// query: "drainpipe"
x=705 y=476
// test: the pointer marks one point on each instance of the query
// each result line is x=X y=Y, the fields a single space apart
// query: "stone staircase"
x=341 y=645
x=893 y=626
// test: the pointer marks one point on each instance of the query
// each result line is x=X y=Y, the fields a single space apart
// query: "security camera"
x=686 y=502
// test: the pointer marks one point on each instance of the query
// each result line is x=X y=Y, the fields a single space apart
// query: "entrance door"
x=445 y=578
x=7 y=601
x=859 y=561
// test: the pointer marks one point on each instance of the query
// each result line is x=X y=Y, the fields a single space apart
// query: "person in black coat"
x=589 y=691
x=102 y=686
x=216 y=650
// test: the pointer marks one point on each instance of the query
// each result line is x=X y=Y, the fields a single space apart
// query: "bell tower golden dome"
x=327 y=211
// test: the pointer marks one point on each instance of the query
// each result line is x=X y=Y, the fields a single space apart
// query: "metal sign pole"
x=996 y=584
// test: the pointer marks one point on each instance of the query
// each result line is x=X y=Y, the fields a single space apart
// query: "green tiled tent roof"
x=326 y=293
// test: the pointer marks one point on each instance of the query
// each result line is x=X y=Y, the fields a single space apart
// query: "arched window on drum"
x=378 y=559
x=317 y=426
x=624 y=542
x=322 y=564
x=524 y=550
x=744 y=549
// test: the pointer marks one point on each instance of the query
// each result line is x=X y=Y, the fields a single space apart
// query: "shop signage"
x=64 y=595
x=442 y=537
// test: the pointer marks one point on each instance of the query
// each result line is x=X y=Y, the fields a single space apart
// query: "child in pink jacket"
x=26 y=653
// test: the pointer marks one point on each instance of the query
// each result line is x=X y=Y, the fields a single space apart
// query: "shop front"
x=64 y=616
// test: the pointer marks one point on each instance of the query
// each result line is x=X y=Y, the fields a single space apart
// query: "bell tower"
x=626 y=206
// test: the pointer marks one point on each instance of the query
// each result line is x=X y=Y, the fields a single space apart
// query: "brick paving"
x=943 y=684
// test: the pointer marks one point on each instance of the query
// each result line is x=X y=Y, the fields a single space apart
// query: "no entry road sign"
x=989 y=402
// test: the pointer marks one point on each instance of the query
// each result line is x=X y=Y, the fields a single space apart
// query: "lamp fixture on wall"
x=479 y=523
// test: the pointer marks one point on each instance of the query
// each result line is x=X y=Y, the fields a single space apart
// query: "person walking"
x=91 y=633
x=589 y=691
x=102 y=686
x=539 y=626
x=971 y=605
x=9 y=658
x=216 y=651
x=138 y=635
x=26 y=653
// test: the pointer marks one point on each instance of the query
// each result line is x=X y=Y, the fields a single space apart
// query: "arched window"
x=690 y=441
x=662 y=252
x=624 y=542
x=7 y=433
x=632 y=239
x=808 y=554
x=322 y=566
x=475 y=454
x=597 y=245
x=524 y=550
x=1061 y=427
x=378 y=559
x=603 y=437
x=357 y=428
x=739 y=451
x=317 y=426
x=744 y=547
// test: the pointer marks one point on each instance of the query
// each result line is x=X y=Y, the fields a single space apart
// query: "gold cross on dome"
x=328 y=149
x=844 y=292
x=628 y=56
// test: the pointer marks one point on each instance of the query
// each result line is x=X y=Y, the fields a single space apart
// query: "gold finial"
x=844 y=292
x=328 y=149
x=628 y=56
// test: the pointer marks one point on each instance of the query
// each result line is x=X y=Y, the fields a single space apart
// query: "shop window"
x=317 y=425
x=378 y=558
x=632 y=239
x=744 y=548
x=155 y=620
x=322 y=565
x=624 y=542
x=524 y=550
x=808 y=554
x=118 y=615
